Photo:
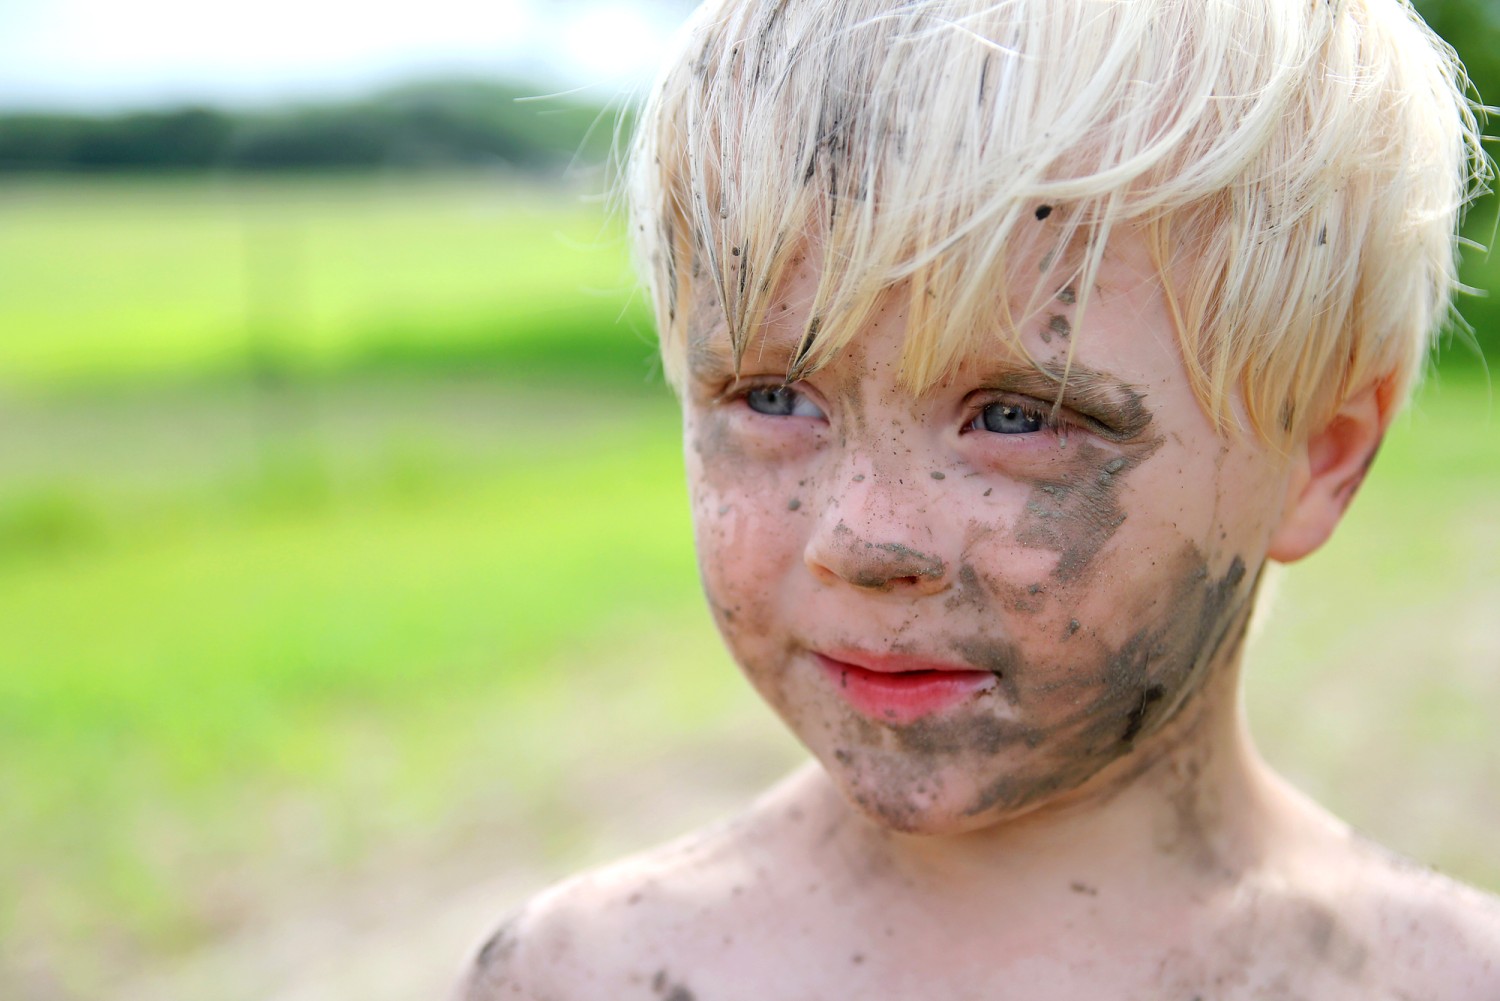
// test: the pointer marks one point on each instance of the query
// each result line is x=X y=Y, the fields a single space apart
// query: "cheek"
x=1078 y=699
x=746 y=526
x=747 y=556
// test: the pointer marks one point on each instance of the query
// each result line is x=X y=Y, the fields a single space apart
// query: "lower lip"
x=903 y=696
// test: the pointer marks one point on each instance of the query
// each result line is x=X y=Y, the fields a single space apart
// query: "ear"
x=1327 y=469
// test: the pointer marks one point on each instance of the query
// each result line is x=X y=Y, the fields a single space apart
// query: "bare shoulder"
x=650 y=926
x=607 y=933
x=1439 y=938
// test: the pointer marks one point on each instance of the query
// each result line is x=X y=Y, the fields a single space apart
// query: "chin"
x=968 y=791
x=900 y=797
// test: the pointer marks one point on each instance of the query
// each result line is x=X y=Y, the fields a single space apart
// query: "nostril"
x=910 y=564
x=880 y=582
x=885 y=566
x=874 y=581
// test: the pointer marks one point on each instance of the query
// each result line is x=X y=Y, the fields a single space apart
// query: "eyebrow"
x=1116 y=409
x=710 y=356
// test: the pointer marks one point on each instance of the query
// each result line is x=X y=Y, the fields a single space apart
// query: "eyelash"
x=741 y=392
x=1050 y=420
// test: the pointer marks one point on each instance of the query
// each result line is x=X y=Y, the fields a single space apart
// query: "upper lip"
x=892 y=663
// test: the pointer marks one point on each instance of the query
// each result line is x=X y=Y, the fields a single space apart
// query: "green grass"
x=302 y=626
x=114 y=279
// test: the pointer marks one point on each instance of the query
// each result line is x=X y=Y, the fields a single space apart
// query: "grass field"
x=190 y=659
x=288 y=648
x=109 y=280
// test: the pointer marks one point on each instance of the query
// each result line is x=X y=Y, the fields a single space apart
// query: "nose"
x=877 y=539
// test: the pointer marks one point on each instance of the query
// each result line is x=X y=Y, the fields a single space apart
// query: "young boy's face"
x=965 y=603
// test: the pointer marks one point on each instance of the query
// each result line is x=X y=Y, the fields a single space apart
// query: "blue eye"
x=1010 y=418
x=781 y=401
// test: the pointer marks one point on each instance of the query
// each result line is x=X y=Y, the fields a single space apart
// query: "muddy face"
x=1093 y=548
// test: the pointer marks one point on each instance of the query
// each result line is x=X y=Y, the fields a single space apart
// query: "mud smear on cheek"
x=968 y=591
x=1138 y=687
x=1158 y=669
x=1000 y=658
x=1077 y=513
x=981 y=593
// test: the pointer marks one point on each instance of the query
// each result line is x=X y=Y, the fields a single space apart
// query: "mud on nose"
x=875 y=565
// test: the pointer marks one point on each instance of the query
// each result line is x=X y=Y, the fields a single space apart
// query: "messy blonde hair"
x=1299 y=166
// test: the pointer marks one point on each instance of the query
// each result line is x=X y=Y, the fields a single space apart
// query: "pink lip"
x=895 y=688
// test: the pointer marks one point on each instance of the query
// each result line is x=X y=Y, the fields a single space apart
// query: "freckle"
x=857 y=958
x=937 y=475
x=793 y=504
x=989 y=491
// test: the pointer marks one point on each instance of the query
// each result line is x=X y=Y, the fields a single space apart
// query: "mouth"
x=897 y=689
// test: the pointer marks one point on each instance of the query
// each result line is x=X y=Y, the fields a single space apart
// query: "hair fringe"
x=1298 y=169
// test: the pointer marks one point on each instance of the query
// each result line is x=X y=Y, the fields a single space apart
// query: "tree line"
x=434 y=124
x=444 y=124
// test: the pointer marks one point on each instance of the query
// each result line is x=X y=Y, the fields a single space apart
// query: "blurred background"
x=346 y=587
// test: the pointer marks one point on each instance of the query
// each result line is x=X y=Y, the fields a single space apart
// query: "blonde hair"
x=1299 y=165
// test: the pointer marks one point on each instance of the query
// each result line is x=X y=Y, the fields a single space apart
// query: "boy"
x=1013 y=340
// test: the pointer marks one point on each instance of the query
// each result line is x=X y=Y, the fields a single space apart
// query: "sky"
x=102 y=55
